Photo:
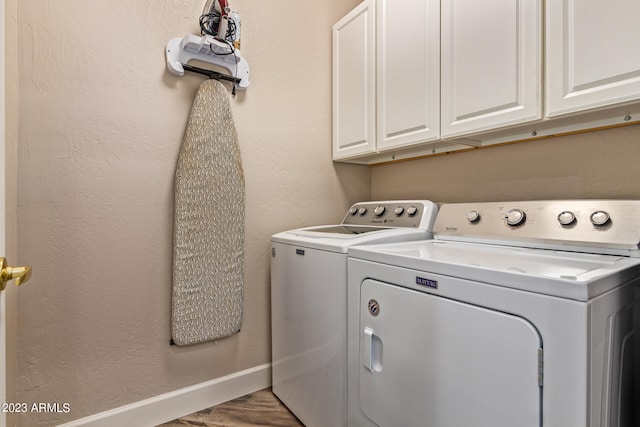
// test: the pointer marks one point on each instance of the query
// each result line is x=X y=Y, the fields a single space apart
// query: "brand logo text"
x=426 y=282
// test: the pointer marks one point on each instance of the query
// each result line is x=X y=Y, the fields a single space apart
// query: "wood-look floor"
x=259 y=409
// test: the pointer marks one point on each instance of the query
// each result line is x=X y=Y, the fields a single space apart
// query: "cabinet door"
x=592 y=54
x=491 y=64
x=354 y=83
x=408 y=72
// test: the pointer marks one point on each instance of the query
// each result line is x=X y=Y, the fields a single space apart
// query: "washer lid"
x=324 y=239
x=349 y=230
x=571 y=275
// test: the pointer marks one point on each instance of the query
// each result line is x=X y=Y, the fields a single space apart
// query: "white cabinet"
x=386 y=77
x=408 y=72
x=354 y=103
x=419 y=77
x=592 y=54
x=491 y=64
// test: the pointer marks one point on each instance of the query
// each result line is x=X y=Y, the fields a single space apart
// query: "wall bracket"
x=180 y=51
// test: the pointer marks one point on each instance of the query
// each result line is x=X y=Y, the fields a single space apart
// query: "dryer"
x=516 y=314
x=309 y=303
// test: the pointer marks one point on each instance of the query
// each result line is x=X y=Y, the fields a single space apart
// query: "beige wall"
x=100 y=125
x=602 y=164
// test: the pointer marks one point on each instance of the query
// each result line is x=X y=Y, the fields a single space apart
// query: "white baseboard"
x=169 y=406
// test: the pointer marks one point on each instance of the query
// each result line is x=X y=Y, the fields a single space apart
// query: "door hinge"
x=540 y=367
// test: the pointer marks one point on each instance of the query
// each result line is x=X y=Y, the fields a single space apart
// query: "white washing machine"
x=309 y=300
x=519 y=314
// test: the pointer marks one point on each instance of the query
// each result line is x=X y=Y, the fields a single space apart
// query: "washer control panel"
x=594 y=223
x=403 y=213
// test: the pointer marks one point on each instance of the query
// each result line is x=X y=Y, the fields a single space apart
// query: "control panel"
x=407 y=214
x=594 y=223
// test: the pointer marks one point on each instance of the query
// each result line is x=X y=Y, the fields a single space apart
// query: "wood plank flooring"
x=259 y=409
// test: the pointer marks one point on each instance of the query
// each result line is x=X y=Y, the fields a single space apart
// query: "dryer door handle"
x=372 y=351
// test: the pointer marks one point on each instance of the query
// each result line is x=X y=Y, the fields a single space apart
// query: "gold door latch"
x=20 y=274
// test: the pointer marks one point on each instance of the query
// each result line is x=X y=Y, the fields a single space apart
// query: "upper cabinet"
x=491 y=64
x=354 y=103
x=417 y=77
x=592 y=54
x=408 y=72
x=386 y=77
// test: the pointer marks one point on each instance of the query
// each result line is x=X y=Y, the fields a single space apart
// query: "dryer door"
x=431 y=361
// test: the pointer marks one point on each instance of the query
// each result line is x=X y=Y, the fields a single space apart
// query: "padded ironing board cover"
x=208 y=252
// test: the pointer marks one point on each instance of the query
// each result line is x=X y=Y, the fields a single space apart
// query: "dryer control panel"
x=595 y=226
x=399 y=213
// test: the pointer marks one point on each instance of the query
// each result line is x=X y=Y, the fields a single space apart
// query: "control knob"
x=398 y=211
x=412 y=210
x=515 y=217
x=566 y=217
x=599 y=218
x=473 y=216
x=353 y=210
x=379 y=210
x=362 y=211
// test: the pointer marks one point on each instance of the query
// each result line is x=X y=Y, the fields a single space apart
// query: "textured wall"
x=601 y=164
x=100 y=124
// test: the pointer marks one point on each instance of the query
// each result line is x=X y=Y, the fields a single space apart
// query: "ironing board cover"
x=208 y=253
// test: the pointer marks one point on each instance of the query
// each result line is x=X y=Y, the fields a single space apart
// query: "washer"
x=309 y=297
x=516 y=314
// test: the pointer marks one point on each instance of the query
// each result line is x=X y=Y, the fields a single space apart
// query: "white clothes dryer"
x=516 y=314
x=309 y=303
